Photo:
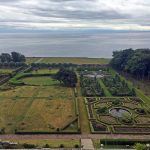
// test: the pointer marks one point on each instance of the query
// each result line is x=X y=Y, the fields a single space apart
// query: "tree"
x=17 y=57
x=5 y=57
x=136 y=62
x=67 y=77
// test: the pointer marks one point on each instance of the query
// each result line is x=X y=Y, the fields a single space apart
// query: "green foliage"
x=17 y=57
x=29 y=146
x=67 y=77
x=102 y=110
x=116 y=102
x=126 y=118
x=13 y=58
x=46 y=146
x=117 y=87
x=136 y=62
x=76 y=146
x=90 y=86
x=61 y=146
x=139 y=146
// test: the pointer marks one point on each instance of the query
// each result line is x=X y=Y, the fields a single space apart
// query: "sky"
x=75 y=14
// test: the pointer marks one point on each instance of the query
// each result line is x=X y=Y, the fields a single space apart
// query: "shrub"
x=139 y=146
x=76 y=146
x=140 y=111
x=102 y=110
x=116 y=102
x=46 y=146
x=29 y=146
x=127 y=119
x=61 y=146
x=2 y=131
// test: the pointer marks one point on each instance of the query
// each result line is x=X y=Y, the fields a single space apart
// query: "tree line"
x=14 y=57
x=135 y=62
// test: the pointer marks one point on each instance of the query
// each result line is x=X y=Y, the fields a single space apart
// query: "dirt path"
x=39 y=60
x=74 y=136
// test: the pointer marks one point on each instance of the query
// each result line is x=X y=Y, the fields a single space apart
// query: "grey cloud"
x=89 y=12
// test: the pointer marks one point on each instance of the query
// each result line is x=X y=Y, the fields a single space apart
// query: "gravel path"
x=74 y=136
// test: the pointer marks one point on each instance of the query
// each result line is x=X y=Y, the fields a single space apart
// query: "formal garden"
x=43 y=98
x=112 y=103
x=118 y=115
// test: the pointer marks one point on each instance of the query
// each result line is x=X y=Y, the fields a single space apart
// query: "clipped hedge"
x=122 y=141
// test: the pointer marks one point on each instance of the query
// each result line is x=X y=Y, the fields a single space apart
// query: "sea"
x=93 y=44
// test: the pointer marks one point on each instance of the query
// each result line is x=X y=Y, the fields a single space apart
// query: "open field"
x=74 y=60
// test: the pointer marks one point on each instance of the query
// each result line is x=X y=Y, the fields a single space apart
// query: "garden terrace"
x=40 y=105
x=101 y=118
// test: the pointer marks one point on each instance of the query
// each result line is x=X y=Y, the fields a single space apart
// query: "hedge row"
x=46 y=132
x=122 y=141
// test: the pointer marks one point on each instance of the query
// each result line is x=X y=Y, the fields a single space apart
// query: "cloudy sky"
x=75 y=14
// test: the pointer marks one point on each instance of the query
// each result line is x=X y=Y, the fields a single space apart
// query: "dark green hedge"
x=122 y=141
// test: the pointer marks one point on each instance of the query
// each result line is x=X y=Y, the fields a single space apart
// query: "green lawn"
x=40 y=81
x=106 y=92
x=45 y=71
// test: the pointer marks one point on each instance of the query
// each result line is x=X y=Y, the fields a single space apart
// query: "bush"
x=140 y=111
x=139 y=146
x=102 y=110
x=61 y=146
x=116 y=102
x=46 y=146
x=76 y=146
x=127 y=119
x=29 y=146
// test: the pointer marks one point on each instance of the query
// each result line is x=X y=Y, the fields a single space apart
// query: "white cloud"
x=59 y=14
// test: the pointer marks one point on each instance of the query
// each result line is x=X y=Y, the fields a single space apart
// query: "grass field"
x=36 y=108
x=40 y=81
x=5 y=71
x=74 y=60
x=45 y=71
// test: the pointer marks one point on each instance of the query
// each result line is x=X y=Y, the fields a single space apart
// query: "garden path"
x=75 y=136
